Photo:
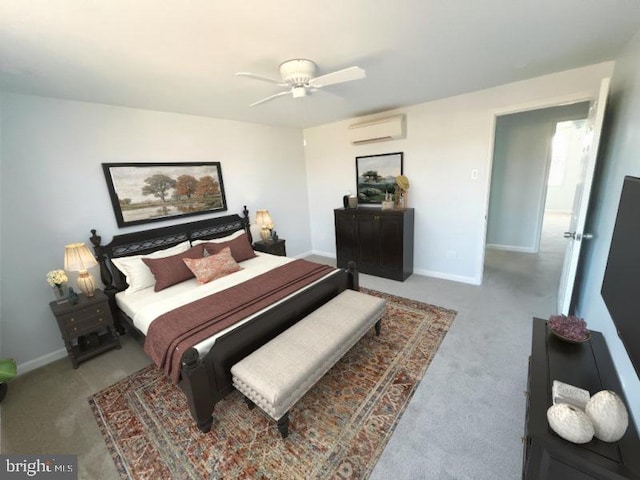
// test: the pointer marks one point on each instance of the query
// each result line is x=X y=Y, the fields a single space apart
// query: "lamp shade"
x=263 y=219
x=78 y=258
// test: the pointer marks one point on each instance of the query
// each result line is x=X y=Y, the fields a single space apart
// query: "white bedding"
x=146 y=305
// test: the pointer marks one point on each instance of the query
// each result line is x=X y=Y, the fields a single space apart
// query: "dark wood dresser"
x=89 y=319
x=589 y=366
x=380 y=242
x=274 y=247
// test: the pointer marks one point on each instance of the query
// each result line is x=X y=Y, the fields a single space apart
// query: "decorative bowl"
x=586 y=338
x=569 y=328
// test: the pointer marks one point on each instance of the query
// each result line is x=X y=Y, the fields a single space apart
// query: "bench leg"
x=283 y=425
x=378 y=326
x=249 y=403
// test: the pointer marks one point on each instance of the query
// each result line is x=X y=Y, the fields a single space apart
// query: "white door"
x=576 y=233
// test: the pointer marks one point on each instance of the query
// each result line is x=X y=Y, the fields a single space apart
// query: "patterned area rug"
x=337 y=430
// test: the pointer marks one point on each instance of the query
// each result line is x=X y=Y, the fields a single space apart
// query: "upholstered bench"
x=278 y=374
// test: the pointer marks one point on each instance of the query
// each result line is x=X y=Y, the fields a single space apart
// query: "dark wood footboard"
x=232 y=347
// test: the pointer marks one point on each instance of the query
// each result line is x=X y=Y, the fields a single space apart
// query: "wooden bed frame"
x=206 y=379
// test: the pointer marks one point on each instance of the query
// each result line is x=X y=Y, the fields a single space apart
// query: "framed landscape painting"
x=151 y=192
x=376 y=175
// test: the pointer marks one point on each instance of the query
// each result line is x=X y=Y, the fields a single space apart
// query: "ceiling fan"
x=298 y=77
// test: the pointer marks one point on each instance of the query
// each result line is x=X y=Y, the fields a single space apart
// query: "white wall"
x=620 y=156
x=53 y=191
x=446 y=141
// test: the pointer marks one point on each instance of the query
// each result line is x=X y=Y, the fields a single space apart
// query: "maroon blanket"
x=174 y=332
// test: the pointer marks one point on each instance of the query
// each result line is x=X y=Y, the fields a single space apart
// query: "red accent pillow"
x=240 y=247
x=171 y=270
x=214 y=266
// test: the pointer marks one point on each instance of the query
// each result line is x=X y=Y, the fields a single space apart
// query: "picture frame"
x=153 y=192
x=376 y=176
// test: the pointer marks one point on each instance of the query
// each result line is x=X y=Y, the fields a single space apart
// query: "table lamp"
x=78 y=258
x=263 y=219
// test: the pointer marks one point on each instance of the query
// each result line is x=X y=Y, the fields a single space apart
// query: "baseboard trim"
x=41 y=361
x=511 y=248
x=446 y=276
x=303 y=254
x=424 y=273
x=323 y=254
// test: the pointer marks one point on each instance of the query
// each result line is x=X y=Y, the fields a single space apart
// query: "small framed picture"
x=376 y=176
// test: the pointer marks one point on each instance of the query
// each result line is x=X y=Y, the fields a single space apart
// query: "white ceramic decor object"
x=608 y=415
x=570 y=423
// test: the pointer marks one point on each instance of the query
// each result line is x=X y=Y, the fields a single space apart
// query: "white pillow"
x=218 y=240
x=137 y=273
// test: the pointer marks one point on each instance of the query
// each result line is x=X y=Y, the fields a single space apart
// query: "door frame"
x=494 y=114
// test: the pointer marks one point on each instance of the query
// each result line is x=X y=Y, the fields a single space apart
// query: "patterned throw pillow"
x=214 y=266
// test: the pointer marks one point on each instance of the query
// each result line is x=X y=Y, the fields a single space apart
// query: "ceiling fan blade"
x=270 y=98
x=261 y=78
x=344 y=75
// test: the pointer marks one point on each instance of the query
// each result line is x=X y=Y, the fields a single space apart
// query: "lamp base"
x=86 y=283
x=265 y=234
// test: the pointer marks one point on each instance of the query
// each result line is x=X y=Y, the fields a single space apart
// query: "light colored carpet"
x=467 y=416
x=464 y=421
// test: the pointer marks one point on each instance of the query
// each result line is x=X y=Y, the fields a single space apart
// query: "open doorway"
x=532 y=182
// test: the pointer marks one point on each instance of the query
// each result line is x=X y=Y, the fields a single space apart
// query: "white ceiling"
x=181 y=55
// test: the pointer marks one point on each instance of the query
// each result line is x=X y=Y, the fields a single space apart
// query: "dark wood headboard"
x=148 y=241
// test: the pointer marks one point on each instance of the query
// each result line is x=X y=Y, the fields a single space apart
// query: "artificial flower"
x=56 y=277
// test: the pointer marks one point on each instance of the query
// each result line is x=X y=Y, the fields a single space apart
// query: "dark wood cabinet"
x=380 y=242
x=586 y=365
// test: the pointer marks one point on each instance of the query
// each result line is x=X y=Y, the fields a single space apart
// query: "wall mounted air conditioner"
x=378 y=130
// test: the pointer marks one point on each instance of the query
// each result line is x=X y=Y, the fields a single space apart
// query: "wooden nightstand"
x=86 y=327
x=274 y=247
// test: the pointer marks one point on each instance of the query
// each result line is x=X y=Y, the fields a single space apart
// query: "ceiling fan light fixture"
x=297 y=72
x=299 y=92
x=298 y=76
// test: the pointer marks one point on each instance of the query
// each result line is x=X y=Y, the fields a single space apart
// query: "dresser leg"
x=72 y=355
x=115 y=336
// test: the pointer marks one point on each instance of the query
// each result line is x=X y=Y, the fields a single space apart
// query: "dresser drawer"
x=93 y=311
x=89 y=317
x=79 y=326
